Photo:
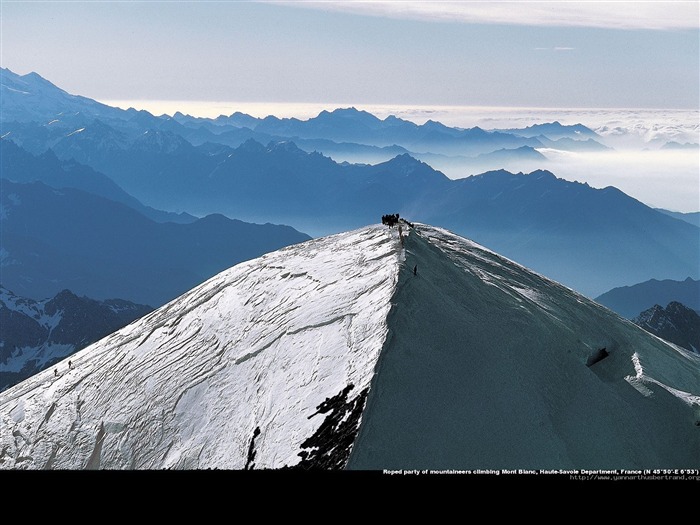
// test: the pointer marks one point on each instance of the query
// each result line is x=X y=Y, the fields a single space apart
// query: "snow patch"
x=640 y=380
x=16 y=90
x=76 y=131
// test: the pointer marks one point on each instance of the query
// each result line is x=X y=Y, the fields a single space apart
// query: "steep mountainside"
x=18 y=165
x=364 y=351
x=55 y=239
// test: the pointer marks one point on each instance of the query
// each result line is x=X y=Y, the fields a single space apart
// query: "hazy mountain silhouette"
x=569 y=144
x=591 y=239
x=628 y=301
x=18 y=165
x=692 y=218
x=68 y=239
x=555 y=130
x=677 y=145
x=587 y=238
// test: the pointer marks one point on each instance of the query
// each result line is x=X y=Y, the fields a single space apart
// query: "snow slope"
x=489 y=365
x=333 y=354
x=260 y=345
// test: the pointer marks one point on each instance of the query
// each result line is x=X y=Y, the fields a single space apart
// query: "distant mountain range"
x=555 y=131
x=55 y=239
x=37 y=334
x=18 y=165
x=589 y=239
x=675 y=323
x=629 y=301
x=678 y=145
x=692 y=218
x=347 y=126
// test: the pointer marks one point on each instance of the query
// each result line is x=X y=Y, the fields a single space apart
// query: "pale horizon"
x=305 y=110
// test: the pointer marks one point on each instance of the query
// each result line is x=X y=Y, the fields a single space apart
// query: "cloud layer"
x=615 y=14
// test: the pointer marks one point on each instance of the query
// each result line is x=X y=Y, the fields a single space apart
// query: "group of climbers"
x=392 y=220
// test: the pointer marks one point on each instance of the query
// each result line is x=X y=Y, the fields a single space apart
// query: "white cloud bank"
x=615 y=14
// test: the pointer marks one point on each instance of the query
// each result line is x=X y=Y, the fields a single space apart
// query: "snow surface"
x=260 y=345
x=474 y=362
x=490 y=365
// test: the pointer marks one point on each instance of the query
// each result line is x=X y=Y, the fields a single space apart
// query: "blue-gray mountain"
x=354 y=126
x=37 y=334
x=30 y=98
x=588 y=239
x=678 y=145
x=629 y=301
x=692 y=218
x=18 y=165
x=555 y=131
x=53 y=239
x=676 y=323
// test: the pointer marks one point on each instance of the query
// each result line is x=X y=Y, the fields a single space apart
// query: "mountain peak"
x=251 y=146
x=286 y=146
x=676 y=323
x=406 y=159
x=341 y=351
x=350 y=114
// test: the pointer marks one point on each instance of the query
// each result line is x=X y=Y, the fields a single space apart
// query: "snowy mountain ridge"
x=36 y=334
x=319 y=329
x=364 y=351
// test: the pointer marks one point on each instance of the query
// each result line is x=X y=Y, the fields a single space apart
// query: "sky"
x=624 y=68
x=552 y=54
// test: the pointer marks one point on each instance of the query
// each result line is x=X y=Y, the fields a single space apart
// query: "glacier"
x=333 y=354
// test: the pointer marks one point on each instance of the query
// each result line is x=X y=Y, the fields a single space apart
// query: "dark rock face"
x=37 y=334
x=676 y=323
x=330 y=446
x=84 y=320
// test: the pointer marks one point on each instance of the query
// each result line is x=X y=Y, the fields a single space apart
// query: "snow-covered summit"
x=259 y=346
x=361 y=351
